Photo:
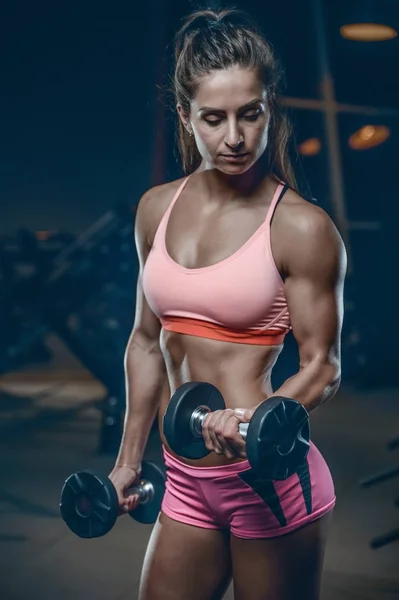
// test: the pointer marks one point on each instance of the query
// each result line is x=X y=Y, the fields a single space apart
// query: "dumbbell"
x=277 y=437
x=89 y=501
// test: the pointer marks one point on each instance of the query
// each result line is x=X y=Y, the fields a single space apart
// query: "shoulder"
x=309 y=234
x=304 y=221
x=301 y=216
x=152 y=206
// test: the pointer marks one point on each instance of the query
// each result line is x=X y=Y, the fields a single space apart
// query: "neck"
x=229 y=187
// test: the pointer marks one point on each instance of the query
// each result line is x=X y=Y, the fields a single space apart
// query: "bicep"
x=314 y=292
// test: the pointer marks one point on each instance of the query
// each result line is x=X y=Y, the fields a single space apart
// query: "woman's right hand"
x=124 y=478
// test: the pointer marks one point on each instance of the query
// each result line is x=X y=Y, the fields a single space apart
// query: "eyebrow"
x=241 y=108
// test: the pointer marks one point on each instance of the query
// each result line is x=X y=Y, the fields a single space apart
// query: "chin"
x=232 y=169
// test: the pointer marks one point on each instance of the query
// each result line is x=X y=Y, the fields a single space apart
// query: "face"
x=229 y=119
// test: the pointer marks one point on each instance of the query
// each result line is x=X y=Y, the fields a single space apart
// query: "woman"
x=231 y=259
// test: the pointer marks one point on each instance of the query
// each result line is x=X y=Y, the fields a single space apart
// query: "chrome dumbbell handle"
x=198 y=417
x=144 y=489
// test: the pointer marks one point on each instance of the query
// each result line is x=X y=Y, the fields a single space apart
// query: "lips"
x=235 y=155
x=234 y=158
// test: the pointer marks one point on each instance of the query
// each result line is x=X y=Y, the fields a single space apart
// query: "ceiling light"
x=369 y=137
x=368 y=32
x=310 y=147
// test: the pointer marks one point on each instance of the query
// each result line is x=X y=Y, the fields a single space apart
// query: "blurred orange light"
x=42 y=236
x=368 y=32
x=310 y=147
x=369 y=137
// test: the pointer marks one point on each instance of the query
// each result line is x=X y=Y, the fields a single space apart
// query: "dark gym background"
x=85 y=129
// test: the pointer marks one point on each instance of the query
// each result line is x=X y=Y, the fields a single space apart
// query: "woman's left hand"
x=220 y=431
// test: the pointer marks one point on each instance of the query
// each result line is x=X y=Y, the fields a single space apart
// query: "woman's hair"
x=212 y=40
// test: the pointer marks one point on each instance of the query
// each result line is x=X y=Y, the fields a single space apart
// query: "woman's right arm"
x=145 y=369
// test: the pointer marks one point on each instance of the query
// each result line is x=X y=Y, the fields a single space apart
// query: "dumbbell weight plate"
x=277 y=441
x=89 y=504
x=147 y=512
x=176 y=421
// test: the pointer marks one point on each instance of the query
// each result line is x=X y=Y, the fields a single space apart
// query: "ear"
x=184 y=118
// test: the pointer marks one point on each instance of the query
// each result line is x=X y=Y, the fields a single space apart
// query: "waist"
x=205 y=329
x=215 y=465
x=209 y=466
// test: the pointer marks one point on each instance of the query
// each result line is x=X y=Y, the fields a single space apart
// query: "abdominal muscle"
x=241 y=372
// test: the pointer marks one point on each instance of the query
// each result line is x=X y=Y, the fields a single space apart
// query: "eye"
x=214 y=122
x=253 y=117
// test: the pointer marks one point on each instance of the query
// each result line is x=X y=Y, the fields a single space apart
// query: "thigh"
x=281 y=568
x=185 y=562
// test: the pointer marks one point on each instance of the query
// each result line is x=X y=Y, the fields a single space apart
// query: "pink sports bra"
x=239 y=299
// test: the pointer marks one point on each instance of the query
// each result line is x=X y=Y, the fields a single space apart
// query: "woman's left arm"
x=313 y=259
x=315 y=268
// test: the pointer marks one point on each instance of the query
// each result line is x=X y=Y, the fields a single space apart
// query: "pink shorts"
x=231 y=497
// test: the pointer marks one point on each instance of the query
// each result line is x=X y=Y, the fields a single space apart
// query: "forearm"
x=314 y=384
x=145 y=376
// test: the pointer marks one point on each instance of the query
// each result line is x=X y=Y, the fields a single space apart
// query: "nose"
x=234 y=139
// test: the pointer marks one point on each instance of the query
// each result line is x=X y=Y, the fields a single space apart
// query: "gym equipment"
x=82 y=292
x=89 y=502
x=277 y=438
x=379 y=477
x=390 y=536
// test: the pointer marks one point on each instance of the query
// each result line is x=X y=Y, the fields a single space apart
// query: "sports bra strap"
x=280 y=191
x=176 y=196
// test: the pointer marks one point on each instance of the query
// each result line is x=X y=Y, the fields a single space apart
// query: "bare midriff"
x=241 y=372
